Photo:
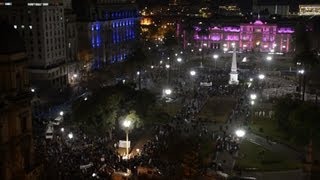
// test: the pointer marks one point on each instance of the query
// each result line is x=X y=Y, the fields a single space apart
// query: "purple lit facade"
x=257 y=36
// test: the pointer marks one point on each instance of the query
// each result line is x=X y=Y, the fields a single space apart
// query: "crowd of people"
x=90 y=157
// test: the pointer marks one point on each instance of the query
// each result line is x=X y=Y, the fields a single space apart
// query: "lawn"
x=217 y=109
x=162 y=112
x=254 y=157
x=269 y=127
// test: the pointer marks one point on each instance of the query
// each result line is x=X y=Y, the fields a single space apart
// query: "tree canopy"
x=299 y=119
x=101 y=112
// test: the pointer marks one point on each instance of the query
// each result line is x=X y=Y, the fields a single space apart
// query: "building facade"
x=279 y=7
x=71 y=41
x=257 y=36
x=42 y=26
x=309 y=10
x=109 y=36
x=16 y=152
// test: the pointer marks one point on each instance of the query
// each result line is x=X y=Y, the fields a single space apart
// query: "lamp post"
x=167 y=92
x=253 y=97
x=202 y=55
x=261 y=76
x=179 y=60
x=126 y=124
x=70 y=135
x=269 y=59
x=192 y=73
x=215 y=57
x=301 y=82
x=139 y=79
x=240 y=133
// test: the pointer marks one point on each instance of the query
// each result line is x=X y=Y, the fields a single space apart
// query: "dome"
x=11 y=42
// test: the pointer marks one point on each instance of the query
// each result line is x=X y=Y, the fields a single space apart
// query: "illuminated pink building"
x=257 y=36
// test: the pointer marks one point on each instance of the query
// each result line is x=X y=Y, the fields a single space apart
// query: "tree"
x=136 y=60
x=304 y=54
x=299 y=120
x=170 y=41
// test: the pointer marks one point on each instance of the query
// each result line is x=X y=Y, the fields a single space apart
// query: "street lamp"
x=62 y=129
x=261 y=76
x=167 y=66
x=33 y=90
x=193 y=73
x=240 y=133
x=167 y=91
x=152 y=67
x=126 y=124
x=253 y=96
x=70 y=135
x=85 y=99
x=179 y=59
x=225 y=49
x=61 y=113
x=215 y=57
x=75 y=75
x=301 y=71
x=251 y=79
x=138 y=73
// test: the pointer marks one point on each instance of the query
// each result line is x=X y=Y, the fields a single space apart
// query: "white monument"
x=234 y=73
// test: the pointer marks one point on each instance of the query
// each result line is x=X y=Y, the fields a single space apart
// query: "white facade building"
x=42 y=26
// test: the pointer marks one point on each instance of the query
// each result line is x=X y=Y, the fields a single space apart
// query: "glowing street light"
x=251 y=79
x=253 y=96
x=61 y=113
x=225 y=50
x=240 y=133
x=126 y=124
x=85 y=98
x=193 y=73
x=75 y=75
x=167 y=66
x=261 y=76
x=301 y=71
x=179 y=59
x=215 y=57
x=244 y=59
x=152 y=67
x=252 y=102
x=70 y=135
x=62 y=129
x=138 y=73
x=160 y=62
x=269 y=58
x=167 y=91
x=33 y=90
x=200 y=49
